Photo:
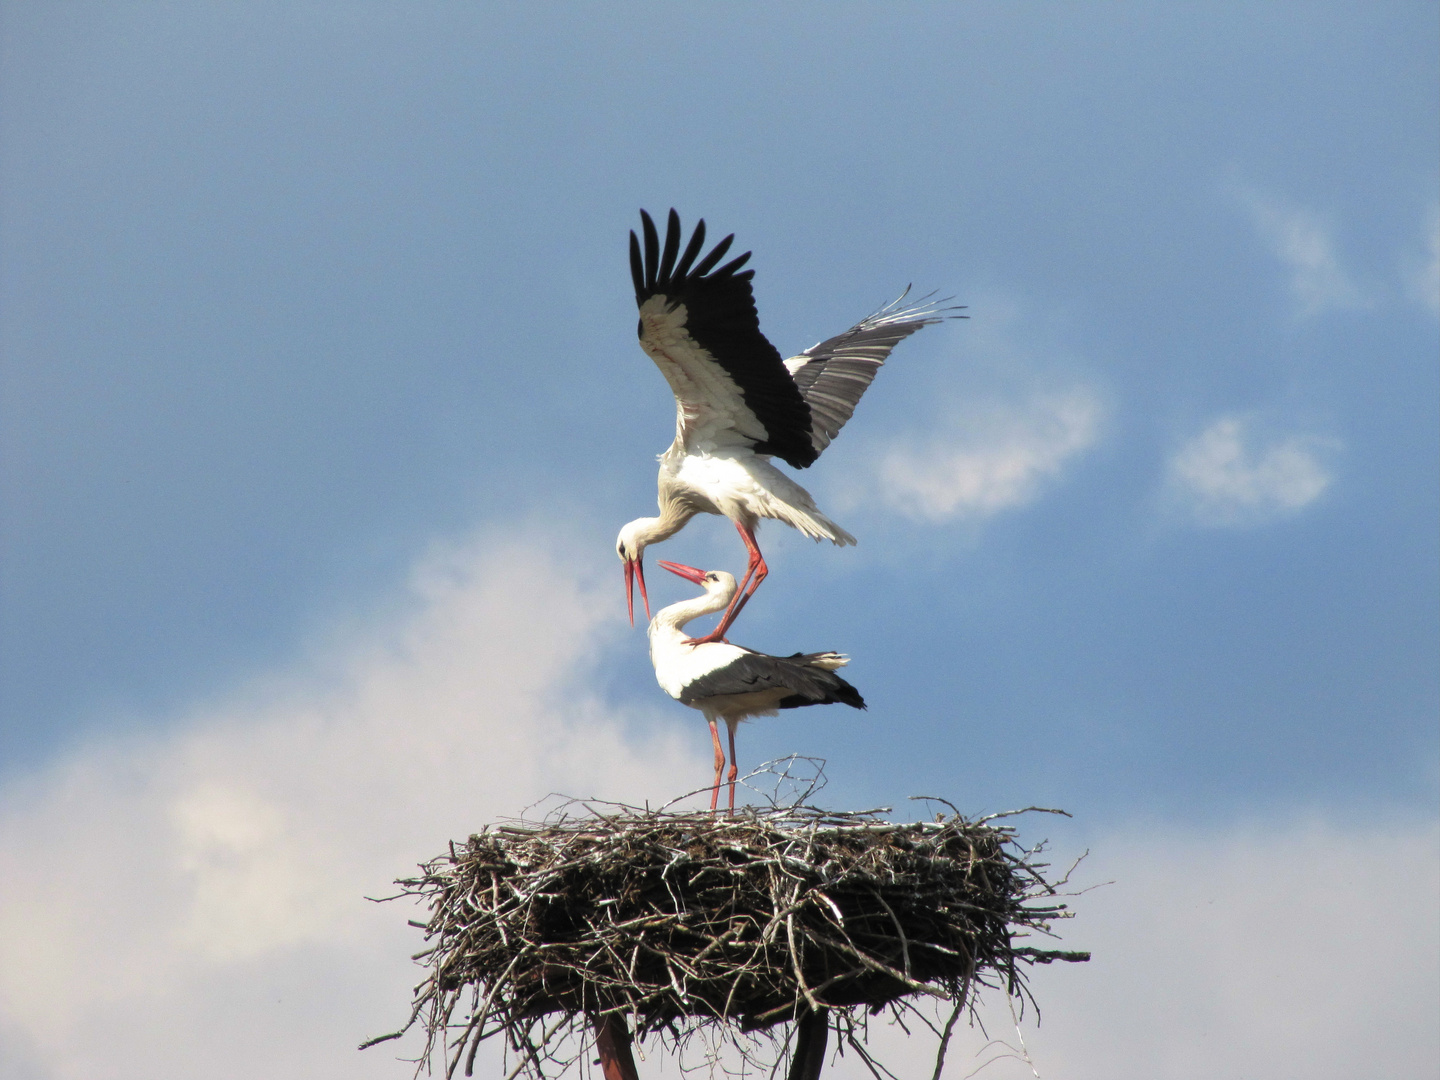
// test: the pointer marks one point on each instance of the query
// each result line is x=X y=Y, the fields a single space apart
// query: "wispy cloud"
x=1422 y=281
x=1302 y=241
x=993 y=456
x=192 y=904
x=1221 y=479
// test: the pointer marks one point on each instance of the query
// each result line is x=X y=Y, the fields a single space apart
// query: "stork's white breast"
x=677 y=665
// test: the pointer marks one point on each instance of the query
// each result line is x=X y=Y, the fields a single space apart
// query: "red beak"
x=633 y=570
x=687 y=572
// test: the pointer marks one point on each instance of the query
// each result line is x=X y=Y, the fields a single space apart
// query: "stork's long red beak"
x=687 y=572
x=635 y=568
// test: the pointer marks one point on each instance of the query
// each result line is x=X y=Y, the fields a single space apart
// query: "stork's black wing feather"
x=807 y=682
x=832 y=375
x=721 y=319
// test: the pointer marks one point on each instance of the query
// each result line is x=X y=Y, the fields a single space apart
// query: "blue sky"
x=301 y=300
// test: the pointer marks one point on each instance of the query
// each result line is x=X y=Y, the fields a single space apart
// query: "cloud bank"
x=191 y=904
x=1220 y=479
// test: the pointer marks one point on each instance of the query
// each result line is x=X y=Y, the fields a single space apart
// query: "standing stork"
x=737 y=403
x=732 y=683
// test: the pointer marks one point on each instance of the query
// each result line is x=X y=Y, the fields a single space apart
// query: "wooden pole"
x=812 y=1029
x=612 y=1043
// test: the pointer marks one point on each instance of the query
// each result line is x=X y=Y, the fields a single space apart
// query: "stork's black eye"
x=639 y=327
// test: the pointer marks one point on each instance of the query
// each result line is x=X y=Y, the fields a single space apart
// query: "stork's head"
x=630 y=546
x=714 y=582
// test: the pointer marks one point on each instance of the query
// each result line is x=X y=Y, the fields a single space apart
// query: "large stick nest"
x=682 y=919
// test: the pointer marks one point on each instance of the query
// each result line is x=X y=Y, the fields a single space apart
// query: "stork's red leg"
x=719 y=765
x=761 y=572
x=753 y=560
x=755 y=573
x=734 y=768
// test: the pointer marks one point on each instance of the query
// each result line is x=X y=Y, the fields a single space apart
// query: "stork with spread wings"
x=738 y=404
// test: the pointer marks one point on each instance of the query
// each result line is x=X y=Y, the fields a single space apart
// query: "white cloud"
x=1423 y=278
x=1221 y=480
x=191 y=904
x=1292 y=950
x=994 y=457
x=1302 y=241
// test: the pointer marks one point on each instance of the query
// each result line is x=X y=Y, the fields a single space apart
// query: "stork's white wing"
x=710 y=406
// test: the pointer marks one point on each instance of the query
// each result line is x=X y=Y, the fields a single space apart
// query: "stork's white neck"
x=642 y=532
x=670 y=621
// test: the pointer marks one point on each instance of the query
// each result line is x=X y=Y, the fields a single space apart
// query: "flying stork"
x=730 y=682
x=737 y=403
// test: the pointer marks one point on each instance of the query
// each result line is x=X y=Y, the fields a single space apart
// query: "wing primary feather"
x=733 y=265
x=693 y=249
x=714 y=257
x=652 y=251
x=637 y=269
x=672 y=245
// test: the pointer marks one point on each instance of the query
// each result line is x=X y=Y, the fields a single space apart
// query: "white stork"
x=732 y=683
x=737 y=403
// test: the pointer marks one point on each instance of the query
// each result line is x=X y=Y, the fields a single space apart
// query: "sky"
x=321 y=410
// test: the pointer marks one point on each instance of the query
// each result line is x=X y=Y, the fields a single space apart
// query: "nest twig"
x=685 y=921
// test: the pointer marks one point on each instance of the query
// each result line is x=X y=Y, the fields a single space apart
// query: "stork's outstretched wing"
x=832 y=375
x=699 y=325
